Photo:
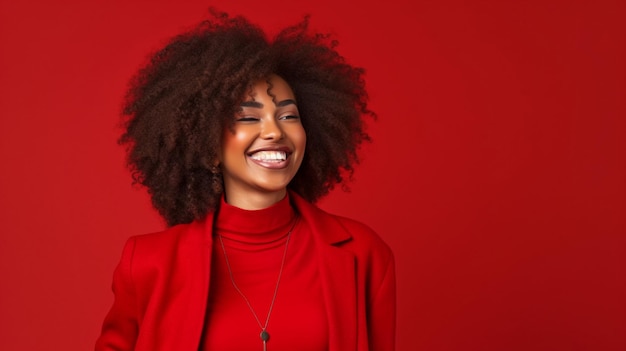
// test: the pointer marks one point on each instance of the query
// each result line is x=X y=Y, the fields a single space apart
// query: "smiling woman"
x=261 y=154
x=235 y=136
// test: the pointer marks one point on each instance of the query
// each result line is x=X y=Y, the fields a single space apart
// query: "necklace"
x=264 y=335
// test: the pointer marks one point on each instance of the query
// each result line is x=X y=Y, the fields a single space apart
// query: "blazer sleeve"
x=382 y=310
x=121 y=325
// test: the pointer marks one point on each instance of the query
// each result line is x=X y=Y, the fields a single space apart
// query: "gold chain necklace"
x=264 y=335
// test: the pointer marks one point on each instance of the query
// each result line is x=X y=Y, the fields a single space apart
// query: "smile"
x=271 y=159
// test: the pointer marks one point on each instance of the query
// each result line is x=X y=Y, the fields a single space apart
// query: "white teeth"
x=269 y=156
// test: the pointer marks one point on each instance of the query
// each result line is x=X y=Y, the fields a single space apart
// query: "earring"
x=215 y=169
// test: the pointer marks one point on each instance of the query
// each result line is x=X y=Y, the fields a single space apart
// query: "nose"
x=271 y=129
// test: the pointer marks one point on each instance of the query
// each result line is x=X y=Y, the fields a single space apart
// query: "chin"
x=273 y=187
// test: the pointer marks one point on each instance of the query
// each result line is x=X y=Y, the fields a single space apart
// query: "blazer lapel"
x=337 y=271
x=189 y=287
x=338 y=275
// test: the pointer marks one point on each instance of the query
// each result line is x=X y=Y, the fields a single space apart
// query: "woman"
x=217 y=125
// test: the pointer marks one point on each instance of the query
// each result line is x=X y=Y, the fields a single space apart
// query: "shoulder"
x=166 y=244
x=364 y=239
x=375 y=262
x=344 y=232
x=165 y=238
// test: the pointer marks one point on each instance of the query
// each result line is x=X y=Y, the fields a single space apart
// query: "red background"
x=497 y=172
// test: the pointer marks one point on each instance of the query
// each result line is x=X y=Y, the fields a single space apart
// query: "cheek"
x=234 y=142
x=226 y=151
x=299 y=138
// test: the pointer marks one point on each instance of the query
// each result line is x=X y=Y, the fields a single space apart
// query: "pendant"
x=265 y=336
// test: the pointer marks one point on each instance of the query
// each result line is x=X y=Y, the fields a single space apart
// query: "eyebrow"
x=257 y=104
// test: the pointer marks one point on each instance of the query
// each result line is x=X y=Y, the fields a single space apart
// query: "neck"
x=254 y=201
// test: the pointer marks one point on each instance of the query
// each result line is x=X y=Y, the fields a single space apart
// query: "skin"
x=265 y=125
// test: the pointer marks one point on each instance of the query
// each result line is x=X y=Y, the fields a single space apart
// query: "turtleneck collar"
x=255 y=226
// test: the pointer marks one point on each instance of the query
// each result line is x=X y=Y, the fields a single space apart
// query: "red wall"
x=497 y=174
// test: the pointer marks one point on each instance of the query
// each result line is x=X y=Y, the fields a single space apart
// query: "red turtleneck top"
x=255 y=244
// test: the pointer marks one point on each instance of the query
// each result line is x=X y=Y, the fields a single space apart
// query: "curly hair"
x=178 y=105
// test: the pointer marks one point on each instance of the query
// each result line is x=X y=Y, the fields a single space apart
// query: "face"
x=264 y=150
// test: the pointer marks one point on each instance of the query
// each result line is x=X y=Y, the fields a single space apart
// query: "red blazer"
x=161 y=286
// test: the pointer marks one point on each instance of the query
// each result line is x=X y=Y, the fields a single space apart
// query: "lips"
x=272 y=158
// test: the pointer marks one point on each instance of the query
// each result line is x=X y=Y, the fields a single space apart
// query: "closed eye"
x=247 y=119
x=282 y=118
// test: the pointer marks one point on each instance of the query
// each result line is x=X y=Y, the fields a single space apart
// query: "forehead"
x=273 y=87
